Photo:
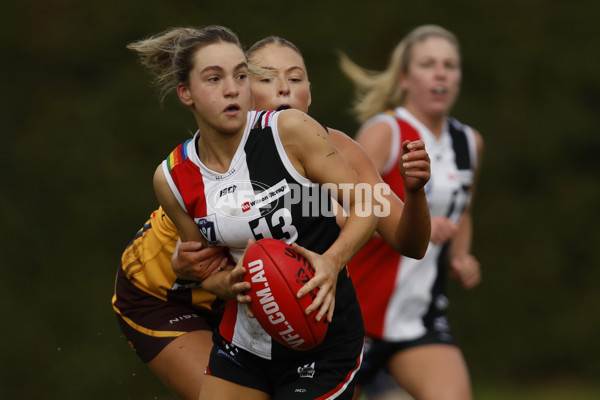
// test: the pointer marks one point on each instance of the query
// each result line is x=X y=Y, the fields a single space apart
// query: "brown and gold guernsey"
x=146 y=262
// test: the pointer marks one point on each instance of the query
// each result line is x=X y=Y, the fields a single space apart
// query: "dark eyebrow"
x=241 y=65
x=220 y=69
x=211 y=68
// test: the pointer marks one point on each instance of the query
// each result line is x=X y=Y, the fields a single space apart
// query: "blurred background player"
x=404 y=300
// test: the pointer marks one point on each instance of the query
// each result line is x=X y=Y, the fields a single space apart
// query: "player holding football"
x=179 y=362
x=231 y=147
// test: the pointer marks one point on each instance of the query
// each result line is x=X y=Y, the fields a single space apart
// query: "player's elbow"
x=416 y=252
x=411 y=248
x=419 y=252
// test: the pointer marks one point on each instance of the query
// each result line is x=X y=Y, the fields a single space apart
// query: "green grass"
x=539 y=391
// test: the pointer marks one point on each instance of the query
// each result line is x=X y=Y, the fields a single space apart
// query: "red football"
x=276 y=273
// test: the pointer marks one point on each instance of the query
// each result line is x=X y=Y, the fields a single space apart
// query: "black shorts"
x=149 y=323
x=378 y=352
x=323 y=374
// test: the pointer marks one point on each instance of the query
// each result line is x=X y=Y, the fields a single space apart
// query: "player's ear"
x=184 y=94
x=402 y=81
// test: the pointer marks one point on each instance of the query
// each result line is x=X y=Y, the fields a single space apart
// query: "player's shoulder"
x=459 y=126
x=292 y=118
x=378 y=129
x=339 y=137
x=297 y=127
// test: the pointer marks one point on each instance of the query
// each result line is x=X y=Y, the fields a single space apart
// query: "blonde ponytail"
x=375 y=91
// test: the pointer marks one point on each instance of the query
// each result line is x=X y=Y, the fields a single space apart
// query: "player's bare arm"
x=408 y=233
x=316 y=157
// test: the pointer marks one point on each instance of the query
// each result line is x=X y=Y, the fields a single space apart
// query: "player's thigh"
x=432 y=372
x=217 y=388
x=181 y=364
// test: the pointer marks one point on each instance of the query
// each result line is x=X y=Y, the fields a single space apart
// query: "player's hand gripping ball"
x=276 y=273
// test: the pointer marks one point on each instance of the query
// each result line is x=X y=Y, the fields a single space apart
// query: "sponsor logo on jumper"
x=248 y=199
x=271 y=194
x=227 y=190
x=307 y=371
x=236 y=199
x=270 y=306
x=207 y=227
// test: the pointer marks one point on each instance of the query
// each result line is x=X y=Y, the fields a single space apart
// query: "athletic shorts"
x=149 y=323
x=378 y=352
x=326 y=374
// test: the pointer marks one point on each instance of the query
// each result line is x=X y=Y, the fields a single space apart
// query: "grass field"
x=549 y=391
